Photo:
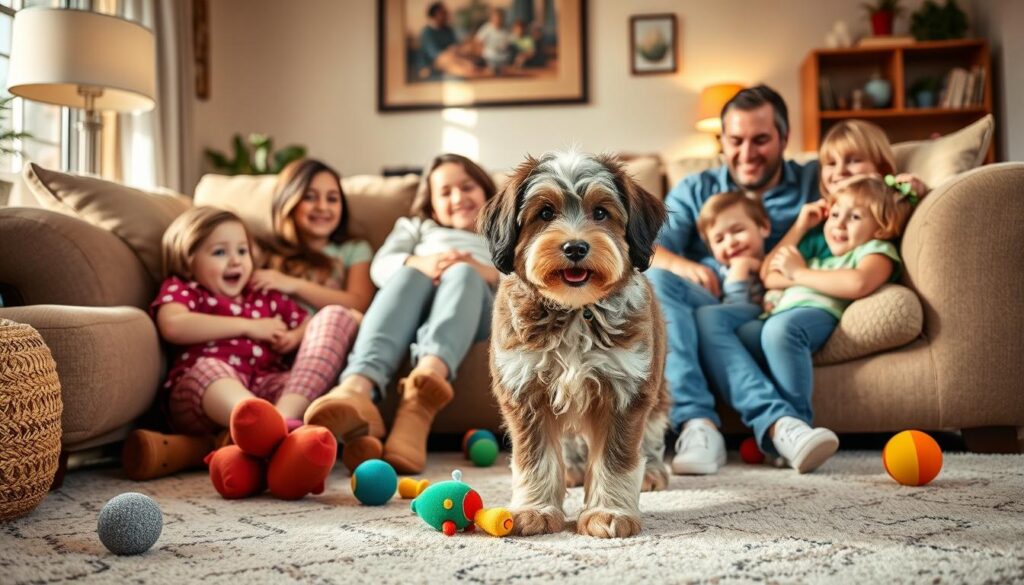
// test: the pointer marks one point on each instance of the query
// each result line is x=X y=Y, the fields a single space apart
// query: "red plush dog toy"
x=265 y=455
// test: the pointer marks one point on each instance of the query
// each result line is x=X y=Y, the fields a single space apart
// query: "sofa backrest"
x=374 y=202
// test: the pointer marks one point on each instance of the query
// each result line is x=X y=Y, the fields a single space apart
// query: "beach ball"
x=912 y=458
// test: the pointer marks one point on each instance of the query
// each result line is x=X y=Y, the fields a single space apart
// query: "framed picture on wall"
x=478 y=53
x=653 y=44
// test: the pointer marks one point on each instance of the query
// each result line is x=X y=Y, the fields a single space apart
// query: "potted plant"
x=934 y=23
x=254 y=157
x=882 y=13
x=7 y=137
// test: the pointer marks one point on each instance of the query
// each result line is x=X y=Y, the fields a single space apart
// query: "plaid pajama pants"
x=321 y=355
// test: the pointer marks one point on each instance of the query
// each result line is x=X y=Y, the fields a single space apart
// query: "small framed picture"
x=653 y=44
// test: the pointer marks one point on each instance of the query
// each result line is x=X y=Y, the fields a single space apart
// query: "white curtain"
x=152 y=149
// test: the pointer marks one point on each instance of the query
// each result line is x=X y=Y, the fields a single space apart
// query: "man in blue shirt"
x=440 y=51
x=755 y=130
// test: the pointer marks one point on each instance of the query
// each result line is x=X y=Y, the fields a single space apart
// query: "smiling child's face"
x=850 y=223
x=223 y=262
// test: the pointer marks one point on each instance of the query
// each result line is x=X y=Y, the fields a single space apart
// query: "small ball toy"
x=130 y=524
x=410 y=487
x=750 y=453
x=451 y=506
x=912 y=458
x=374 y=482
x=480 y=446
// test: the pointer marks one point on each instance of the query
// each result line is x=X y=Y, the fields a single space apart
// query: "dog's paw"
x=603 y=523
x=574 y=476
x=531 y=522
x=655 y=478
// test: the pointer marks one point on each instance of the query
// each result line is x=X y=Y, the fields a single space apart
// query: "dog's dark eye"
x=547 y=214
x=600 y=213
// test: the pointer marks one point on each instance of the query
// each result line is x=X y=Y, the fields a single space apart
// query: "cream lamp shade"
x=83 y=60
x=55 y=53
x=712 y=99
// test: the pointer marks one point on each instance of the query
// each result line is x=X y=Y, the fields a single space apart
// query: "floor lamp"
x=83 y=60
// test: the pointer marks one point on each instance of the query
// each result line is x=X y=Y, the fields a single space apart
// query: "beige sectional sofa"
x=939 y=352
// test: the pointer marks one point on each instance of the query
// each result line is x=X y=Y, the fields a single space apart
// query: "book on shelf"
x=826 y=97
x=979 y=86
x=963 y=88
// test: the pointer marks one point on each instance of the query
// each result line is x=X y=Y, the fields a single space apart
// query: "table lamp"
x=709 y=110
x=83 y=60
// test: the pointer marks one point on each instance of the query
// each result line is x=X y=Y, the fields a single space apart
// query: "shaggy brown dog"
x=577 y=341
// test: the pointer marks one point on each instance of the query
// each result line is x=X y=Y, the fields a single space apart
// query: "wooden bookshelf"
x=850 y=68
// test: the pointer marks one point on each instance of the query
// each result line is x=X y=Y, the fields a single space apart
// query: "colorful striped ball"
x=912 y=458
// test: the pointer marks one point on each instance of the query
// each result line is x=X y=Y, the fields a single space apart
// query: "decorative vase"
x=879 y=90
x=881 y=23
x=925 y=98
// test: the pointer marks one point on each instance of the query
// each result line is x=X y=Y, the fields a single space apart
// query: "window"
x=44 y=122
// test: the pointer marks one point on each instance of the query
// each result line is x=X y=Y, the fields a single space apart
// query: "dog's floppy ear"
x=645 y=214
x=498 y=221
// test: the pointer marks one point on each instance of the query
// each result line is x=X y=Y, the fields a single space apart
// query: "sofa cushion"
x=109 y=364
x=137 y=217
x=375 y=202
x=891 y=317
x=248 y=196
x=937 y=160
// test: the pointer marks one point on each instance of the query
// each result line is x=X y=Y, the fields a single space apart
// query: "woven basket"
x=30 y=409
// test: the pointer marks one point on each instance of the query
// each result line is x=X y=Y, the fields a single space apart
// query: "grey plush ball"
x=130 y=524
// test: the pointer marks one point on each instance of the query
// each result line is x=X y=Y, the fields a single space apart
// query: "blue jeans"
x=679 y=298
x=443 y=320
x=737 y=349
x=789 y=340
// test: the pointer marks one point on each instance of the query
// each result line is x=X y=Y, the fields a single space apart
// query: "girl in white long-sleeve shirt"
x=437 y=284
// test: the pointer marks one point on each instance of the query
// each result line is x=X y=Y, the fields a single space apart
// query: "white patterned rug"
x=848 y=522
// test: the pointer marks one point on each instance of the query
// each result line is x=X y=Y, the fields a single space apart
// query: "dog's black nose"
x=575 y=250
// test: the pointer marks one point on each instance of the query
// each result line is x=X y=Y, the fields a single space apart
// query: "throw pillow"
x=890 y=317
x=935 y=161
x=137 y=217
x=248 y=196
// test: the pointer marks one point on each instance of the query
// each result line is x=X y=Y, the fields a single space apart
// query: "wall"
x=305 y=71
x=1002 y=22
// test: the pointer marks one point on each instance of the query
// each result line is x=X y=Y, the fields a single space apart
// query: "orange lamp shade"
x=712 y=99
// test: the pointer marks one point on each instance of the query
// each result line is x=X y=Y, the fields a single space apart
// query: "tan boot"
x=424 y=393
x=149 y=454
x=360 y=449
x=346 y=412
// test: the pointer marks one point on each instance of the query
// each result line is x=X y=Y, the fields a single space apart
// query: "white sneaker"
x=700 y=450
x=803 y=448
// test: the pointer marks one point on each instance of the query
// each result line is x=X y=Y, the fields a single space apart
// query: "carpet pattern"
x=847 y=522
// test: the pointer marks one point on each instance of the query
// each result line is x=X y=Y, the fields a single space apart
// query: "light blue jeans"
x=679 y=299
x=737 y=349
x=411 y=312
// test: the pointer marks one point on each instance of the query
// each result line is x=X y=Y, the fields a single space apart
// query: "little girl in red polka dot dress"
x=233 y=338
